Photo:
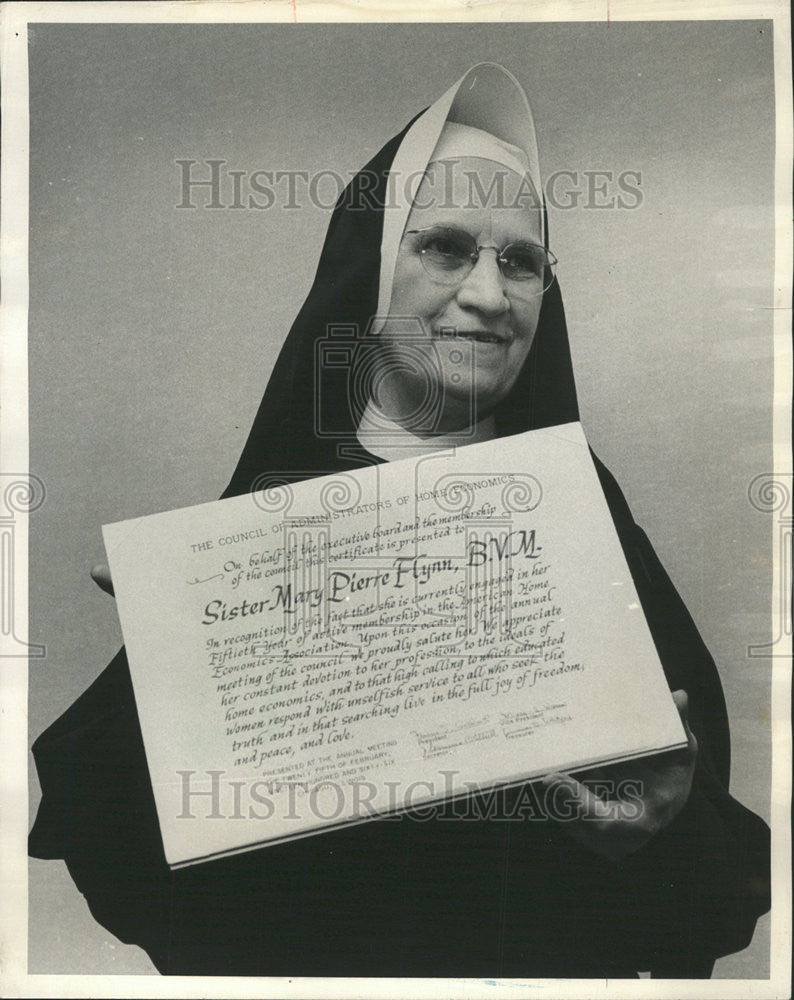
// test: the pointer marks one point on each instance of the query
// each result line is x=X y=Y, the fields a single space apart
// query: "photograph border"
x=16 y=477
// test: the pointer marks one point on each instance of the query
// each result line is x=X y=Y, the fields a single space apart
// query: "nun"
x=437 y=268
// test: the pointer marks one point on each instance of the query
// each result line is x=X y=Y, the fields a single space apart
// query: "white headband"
x=458 y=140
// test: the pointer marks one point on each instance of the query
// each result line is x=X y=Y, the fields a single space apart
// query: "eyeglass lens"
x=450 y=254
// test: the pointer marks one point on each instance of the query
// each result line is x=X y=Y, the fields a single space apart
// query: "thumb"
x=100 y=574
x=681 y=699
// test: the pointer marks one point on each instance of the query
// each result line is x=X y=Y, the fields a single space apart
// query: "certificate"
x=358 y=645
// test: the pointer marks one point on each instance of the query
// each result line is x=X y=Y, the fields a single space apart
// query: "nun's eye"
x=448 y=250
x=522 y=261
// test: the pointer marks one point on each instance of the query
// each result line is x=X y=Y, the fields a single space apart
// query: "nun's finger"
x=100 y=574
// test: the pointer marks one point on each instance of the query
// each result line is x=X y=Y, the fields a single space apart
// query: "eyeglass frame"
x=551 y=259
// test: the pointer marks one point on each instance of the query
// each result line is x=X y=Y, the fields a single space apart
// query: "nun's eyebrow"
x=512 y=237
x=412 y=230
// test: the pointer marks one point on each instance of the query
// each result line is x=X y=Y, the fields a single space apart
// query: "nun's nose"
x=483 y=288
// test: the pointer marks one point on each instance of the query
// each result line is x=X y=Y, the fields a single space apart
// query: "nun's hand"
x=100 y=574
x=614 y=811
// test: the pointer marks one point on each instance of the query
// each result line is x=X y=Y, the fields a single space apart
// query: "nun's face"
x=473 y=335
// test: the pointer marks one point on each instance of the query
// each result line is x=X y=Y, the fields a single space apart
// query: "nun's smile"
x=473 y=316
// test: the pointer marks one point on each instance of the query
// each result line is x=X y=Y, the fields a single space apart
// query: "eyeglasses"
x=449 y=255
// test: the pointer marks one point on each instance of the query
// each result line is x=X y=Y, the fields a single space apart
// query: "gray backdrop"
x=153 y=330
